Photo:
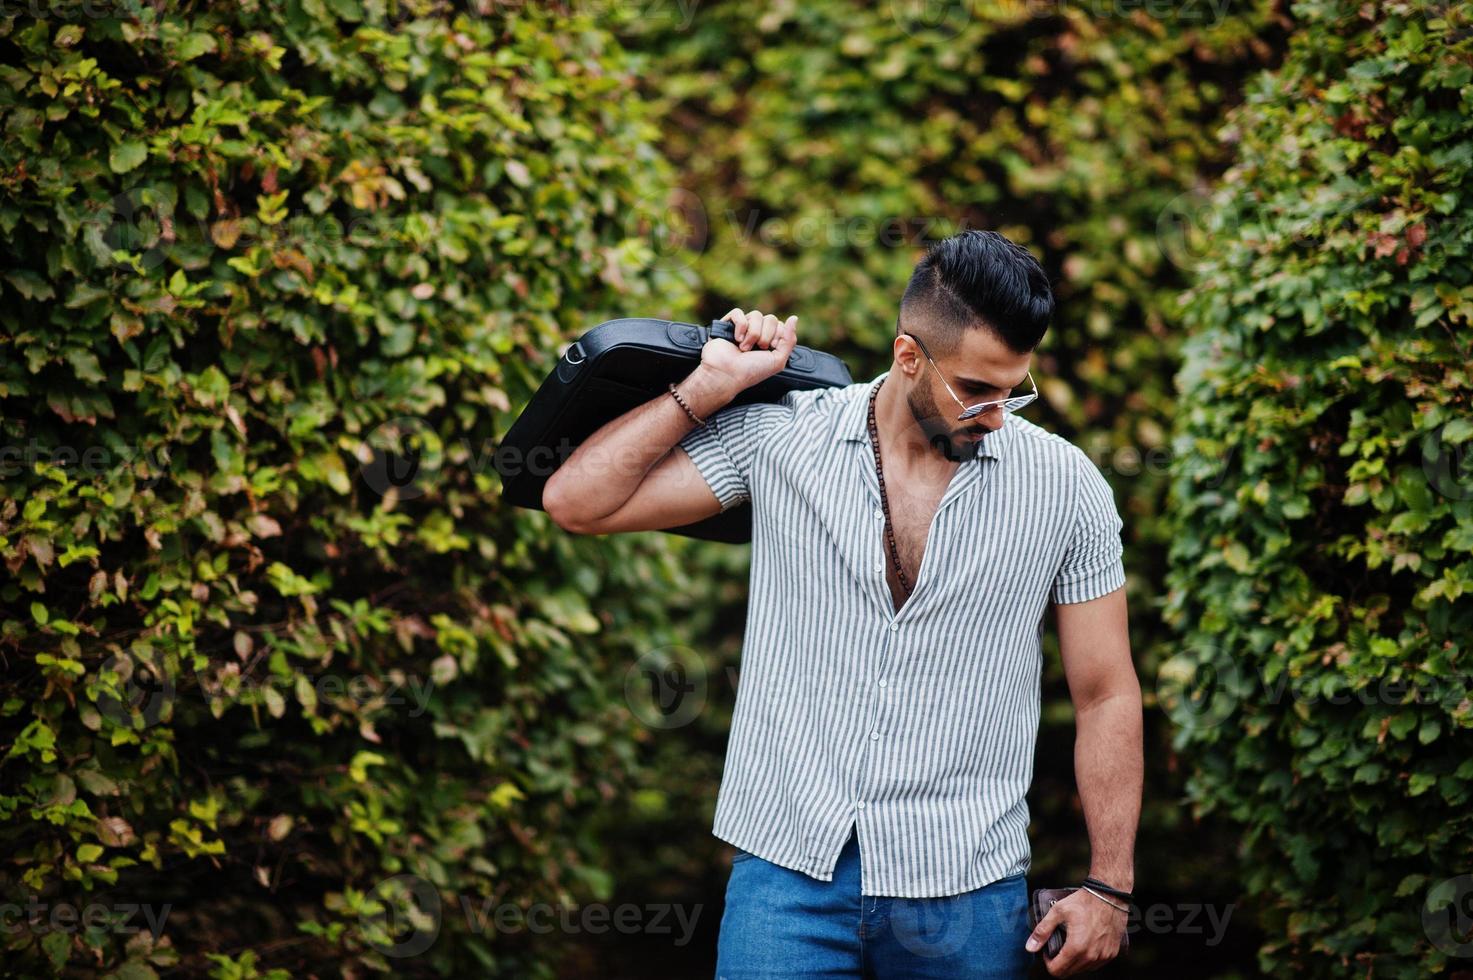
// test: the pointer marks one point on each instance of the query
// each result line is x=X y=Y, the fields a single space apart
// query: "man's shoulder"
x=807 y=411
x=1039 y=446
x=824 y=401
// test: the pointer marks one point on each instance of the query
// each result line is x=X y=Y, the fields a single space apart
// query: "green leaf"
x=1457 y=431
x=127 y=155
x=504 y=795
x=194 y=45
x=57 y=944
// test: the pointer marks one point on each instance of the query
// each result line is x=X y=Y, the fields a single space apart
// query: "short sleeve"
x=725 y=450
x=1092 y=564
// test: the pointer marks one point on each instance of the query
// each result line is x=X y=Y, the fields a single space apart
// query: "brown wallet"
x=1042 y=900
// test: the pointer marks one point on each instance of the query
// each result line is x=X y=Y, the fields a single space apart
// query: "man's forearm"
x=1109 y=770
x=606 y=469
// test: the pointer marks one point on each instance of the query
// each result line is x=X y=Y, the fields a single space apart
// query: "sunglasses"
x=1011 y=404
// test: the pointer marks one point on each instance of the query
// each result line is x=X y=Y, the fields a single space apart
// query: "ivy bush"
x=1322 y=500
x=275 y=278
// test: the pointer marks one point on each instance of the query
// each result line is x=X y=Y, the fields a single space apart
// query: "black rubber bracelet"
x=1099 y=885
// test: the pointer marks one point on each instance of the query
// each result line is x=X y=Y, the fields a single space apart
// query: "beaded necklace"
x=874 y=435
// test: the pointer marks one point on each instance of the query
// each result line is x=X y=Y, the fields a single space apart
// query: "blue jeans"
x=781 y=923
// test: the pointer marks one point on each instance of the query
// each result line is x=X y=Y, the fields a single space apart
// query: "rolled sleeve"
x=1092 y=564
x=726 y=449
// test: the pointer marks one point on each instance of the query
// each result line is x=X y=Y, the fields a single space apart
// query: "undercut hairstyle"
x=977 y=280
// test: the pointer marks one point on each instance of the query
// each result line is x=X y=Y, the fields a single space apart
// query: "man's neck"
x=905 y=447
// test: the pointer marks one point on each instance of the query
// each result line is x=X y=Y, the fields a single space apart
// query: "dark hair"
x=977 y=279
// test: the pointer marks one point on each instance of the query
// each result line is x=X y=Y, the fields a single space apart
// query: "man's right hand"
x=763 y=343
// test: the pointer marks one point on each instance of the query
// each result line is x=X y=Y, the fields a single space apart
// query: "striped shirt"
x=917 y=726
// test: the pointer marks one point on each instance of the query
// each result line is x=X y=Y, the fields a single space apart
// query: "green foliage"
x=1323 y=497
x=253 y=254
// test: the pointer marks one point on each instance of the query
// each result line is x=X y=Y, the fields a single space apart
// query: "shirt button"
x=894 y=627
x=879 y=515
x=883 y=682
x=860 y=804
x=879 y=566
x=874 y=735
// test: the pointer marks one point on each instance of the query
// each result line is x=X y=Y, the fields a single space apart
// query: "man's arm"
x=1094 y=645
x=608 y=483
x=625 y=477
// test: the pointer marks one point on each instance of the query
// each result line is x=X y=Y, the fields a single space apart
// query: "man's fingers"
x=1071 y=958
x=754 y=329
x=1066 y=964
x=785 y=341
x=770 y=326
x=739 y=321
x=1045 y=928
x=787 y=338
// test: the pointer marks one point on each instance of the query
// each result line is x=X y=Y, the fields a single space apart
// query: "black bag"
x=621 y=364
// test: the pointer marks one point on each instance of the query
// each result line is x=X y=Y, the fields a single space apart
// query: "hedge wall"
x=259 y=262
x=822 y=144
x=1323 y=502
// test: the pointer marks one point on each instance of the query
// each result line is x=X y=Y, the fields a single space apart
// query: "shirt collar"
x=854 y=422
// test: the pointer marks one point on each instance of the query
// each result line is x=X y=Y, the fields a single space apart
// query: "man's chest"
x=912 y=511
x=820 y=528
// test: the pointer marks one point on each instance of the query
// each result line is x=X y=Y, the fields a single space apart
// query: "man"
x=908 y=534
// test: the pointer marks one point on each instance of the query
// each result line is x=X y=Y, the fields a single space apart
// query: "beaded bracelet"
x=681 y=402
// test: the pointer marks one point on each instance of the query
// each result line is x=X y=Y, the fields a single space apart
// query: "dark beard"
x=941 y=437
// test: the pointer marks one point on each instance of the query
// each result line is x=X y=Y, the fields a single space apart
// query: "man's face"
x=982 y=368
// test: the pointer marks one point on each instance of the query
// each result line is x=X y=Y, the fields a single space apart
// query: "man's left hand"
x=1092 y=934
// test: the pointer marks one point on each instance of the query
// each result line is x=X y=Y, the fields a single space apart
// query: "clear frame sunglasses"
x=1010 y=404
